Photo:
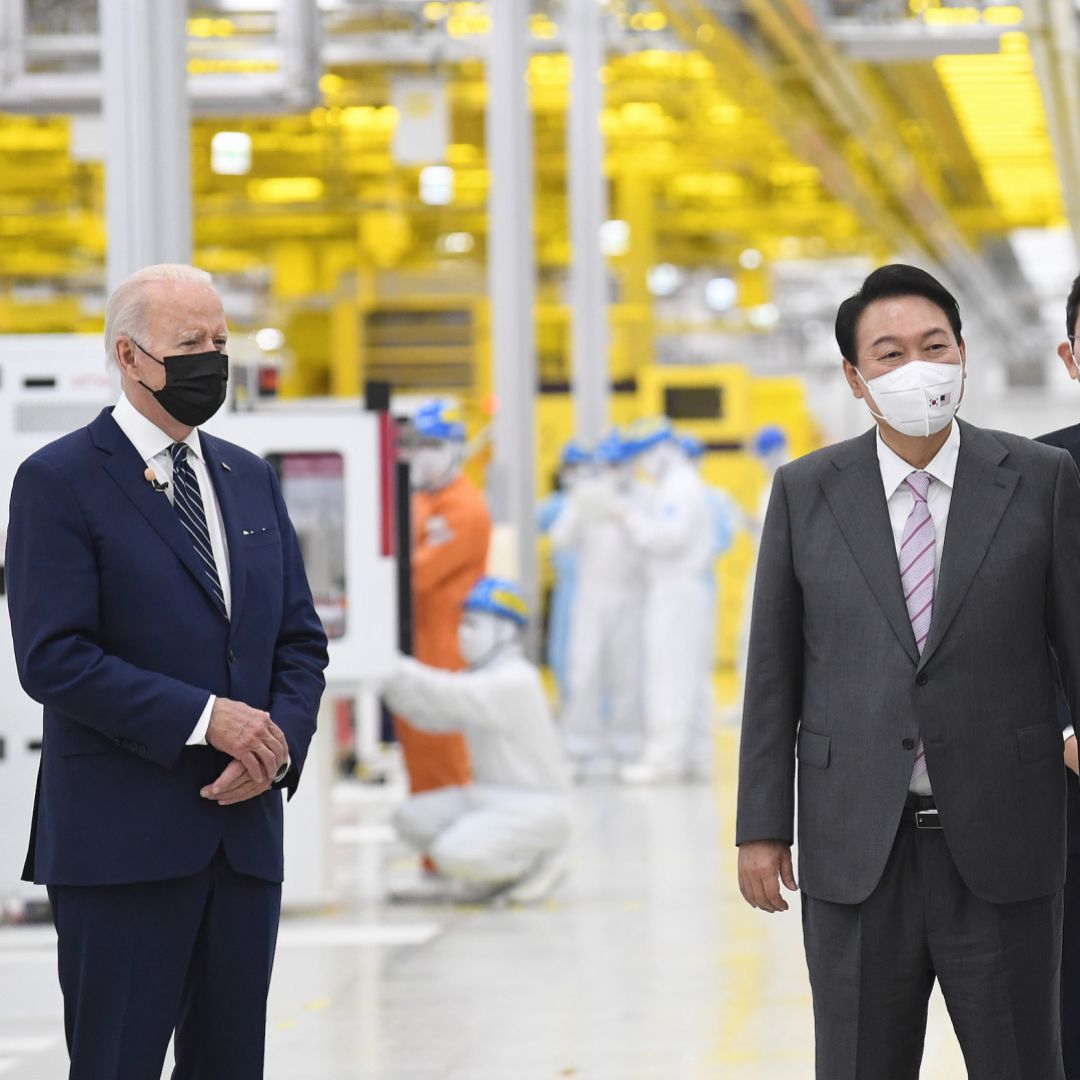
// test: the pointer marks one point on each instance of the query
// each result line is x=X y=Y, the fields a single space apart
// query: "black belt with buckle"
x=922 y=810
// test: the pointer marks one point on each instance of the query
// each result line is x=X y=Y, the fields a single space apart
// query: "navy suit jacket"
x=118 y=636
x=1068 y=439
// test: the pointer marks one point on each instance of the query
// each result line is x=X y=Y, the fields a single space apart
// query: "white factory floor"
x=646 y=966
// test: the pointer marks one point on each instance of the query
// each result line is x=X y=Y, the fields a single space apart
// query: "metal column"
x=588 y=211
x=511 y=287
x=147 y=158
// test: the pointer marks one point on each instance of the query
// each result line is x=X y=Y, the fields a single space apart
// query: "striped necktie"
x=918 y=552
x=189 y=508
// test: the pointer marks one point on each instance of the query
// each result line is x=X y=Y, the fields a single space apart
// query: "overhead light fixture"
x=721 y=294
x=764 y=316
x=751 y=259
x=230 y=153
x=615 y=238
x=665 y=279
x=455 y=243
x=286 y=189
x=437 y=185
x=269 y=339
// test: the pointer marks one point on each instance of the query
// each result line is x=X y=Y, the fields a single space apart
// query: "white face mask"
x=919 y=398
x=433 y=467
x=482 y=636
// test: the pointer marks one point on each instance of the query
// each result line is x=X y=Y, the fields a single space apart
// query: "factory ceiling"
x=742 y=138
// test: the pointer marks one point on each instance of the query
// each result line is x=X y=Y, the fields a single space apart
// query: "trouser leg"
x=421 y=819
x=871 y=975
x=221 y=1032
x=701 y=747
x=623 y=667
x=581 y=715
x=998 y=966
x=562 y=602
x=502 y=837
x=1070 y=971
x=124 y=953
x=673 y=641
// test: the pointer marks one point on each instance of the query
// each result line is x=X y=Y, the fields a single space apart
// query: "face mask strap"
x=454 y=462
x=150 y=354
x=497 y=646
x=876 y=416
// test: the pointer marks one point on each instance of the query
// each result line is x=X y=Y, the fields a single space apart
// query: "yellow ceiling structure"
x=697 y=163
x=998 y=103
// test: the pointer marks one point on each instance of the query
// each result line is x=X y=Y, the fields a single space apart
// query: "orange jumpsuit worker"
x=451 y=533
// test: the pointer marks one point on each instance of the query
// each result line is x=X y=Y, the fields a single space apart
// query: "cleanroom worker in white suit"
x=505 y=834
x=574 y=463
x=770 y=447
x=699 y=763
x=601 y=720
x=676 y=534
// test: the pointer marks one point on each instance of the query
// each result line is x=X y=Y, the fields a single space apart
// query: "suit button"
x=232 y=656
x=908 y=744
x=921 y=679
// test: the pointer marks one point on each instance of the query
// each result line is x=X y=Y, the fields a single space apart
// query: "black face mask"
x=194 y=385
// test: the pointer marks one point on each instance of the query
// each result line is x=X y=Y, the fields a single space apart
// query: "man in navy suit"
x=161 y=615
x=1069 y=439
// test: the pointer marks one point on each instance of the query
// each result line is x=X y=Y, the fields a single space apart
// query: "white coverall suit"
x=677 y=535
x=602 y=718
x=517 y=810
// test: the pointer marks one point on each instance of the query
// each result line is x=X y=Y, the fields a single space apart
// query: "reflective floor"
x=646 y=966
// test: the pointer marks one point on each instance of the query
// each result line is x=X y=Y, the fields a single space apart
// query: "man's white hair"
x=128 y=312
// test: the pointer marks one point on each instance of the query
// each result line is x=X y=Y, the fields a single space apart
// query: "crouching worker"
x=505 y=834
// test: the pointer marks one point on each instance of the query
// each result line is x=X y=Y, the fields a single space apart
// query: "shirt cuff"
x=198 y=736
x=1068 y=732
x=282 y=772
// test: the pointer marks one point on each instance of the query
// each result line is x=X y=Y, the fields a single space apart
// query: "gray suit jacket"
x=834 y=678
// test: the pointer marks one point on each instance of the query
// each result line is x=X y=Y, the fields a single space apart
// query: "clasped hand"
x=254 y=742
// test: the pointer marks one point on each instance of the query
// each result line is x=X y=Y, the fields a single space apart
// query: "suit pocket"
x=1039 y=742
x=813 y=749
x=81 y=741
x=260 y=537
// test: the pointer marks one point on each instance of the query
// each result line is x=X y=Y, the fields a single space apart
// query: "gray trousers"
x=872 y=967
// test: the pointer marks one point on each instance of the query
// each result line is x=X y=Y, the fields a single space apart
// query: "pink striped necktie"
x=918 y=549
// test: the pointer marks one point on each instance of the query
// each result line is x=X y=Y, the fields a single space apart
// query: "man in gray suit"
x=908 y=583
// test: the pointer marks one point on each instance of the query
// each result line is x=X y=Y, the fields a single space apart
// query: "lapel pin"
x=153 y=481
x=225 y=466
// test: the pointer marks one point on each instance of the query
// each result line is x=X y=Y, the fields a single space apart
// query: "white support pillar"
x=298 y=39
x=588 y=211
x=147 y=158
x=511 y=288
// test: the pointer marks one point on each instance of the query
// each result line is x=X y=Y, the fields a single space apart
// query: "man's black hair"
x=897 y=279
x=1070 y=309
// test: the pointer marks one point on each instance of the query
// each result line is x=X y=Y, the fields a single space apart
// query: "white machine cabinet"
x=327 y=455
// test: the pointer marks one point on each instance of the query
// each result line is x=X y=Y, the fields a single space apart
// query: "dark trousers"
x=139 y=961
x=1070 y=971
x=872 y=967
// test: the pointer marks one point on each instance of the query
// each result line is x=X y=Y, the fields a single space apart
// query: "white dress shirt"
x=153 y=445
x=901 y=499
x=895 y=470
